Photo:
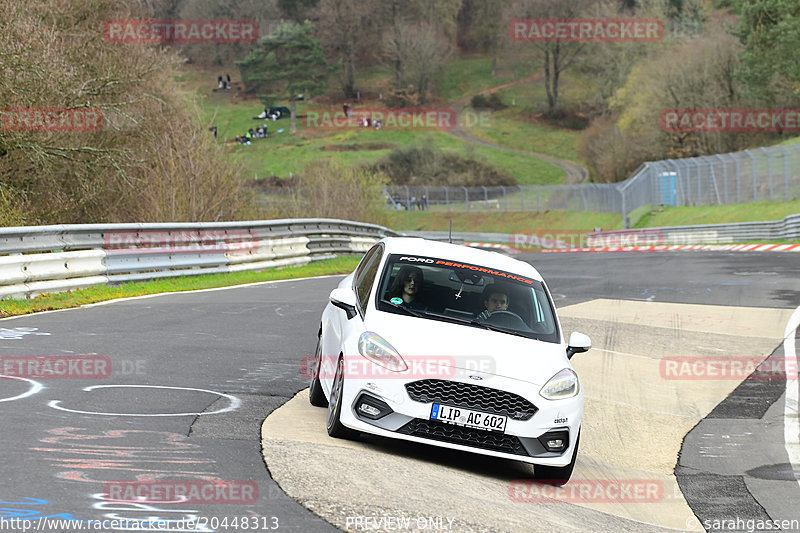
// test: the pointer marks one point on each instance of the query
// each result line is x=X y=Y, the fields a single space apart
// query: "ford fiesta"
x=451 y=346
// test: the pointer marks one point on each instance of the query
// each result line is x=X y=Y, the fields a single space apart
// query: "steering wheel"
x=501 y=313
x=507 y=319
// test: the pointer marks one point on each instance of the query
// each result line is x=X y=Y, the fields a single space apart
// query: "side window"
x=366 y=276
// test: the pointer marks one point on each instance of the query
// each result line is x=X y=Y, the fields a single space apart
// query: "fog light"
x=369 y=410
x=369 y=407
x=556 y=441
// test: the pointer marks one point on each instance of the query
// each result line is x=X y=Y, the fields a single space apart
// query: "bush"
x=428 y=166
x=328 y=189
x=479 y=101
x=494 y=102
x=150 y=161
x=609 y=154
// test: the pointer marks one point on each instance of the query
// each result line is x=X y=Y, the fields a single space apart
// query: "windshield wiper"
x=483 y=325
x=403 y=308
x=498 y=328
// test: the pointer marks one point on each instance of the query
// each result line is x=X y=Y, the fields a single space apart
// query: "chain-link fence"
x=763 y=174
x=588 y=197
x=758 y=175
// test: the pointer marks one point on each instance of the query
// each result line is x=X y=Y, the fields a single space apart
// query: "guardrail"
x=39 y=259
x=786 y=229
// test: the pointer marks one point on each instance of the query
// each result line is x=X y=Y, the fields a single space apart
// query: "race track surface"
x=192 y=377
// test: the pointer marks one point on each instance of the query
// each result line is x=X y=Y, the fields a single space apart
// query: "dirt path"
x=575 y=173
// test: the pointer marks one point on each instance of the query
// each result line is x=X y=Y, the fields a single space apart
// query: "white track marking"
x=234 y=401
x=35 y=387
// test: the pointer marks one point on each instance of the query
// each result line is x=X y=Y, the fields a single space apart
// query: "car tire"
x=315 y=394
x=557 y=475
x=334 y=425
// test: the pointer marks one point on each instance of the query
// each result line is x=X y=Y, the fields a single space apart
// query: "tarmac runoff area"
x=634 y=423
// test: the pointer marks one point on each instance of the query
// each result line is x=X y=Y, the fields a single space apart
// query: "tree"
x=701 y=76
x=297 y=10
x=482 y=27
x=416 y=53
x=556 y=55
x=147 y=159
x=770 y=33
x=286 y=63
x=442 y=14
x=684 y=17
x=224 y=54
x=347 y=27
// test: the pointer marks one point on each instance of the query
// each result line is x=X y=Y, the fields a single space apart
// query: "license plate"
x=468 y=418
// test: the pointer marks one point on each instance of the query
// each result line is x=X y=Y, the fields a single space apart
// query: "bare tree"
x=416 y=53
x=348 y=28
x=556 y=55
x=482 y=27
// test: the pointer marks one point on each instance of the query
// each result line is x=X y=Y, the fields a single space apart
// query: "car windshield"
x=473 y=295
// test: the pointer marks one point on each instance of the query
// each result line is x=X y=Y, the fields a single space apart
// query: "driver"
x=495 y=298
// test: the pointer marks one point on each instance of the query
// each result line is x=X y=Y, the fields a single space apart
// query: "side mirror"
x=578 y=343
x=344 y=299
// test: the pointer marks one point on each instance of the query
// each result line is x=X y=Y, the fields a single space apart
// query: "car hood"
x=474 y=351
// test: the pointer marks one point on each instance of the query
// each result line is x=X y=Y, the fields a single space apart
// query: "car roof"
x=457 y=252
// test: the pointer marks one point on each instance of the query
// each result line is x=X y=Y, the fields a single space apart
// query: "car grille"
x=471 y=396
x=476 y=438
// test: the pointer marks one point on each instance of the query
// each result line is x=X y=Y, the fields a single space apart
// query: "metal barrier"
x=39 y=259
x=739 y=232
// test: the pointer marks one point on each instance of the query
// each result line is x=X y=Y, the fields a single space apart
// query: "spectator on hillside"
x=220 y=83
x=229 y=81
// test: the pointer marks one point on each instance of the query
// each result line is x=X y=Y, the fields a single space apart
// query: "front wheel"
x=334 y=425
x=557 y=475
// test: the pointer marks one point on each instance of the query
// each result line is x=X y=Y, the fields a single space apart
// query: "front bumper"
x=391 y=412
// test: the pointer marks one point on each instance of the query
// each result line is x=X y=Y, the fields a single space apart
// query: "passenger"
x=495 y=298
x=406 y=286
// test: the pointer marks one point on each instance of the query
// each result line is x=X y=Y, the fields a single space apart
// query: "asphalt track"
x=232 y=357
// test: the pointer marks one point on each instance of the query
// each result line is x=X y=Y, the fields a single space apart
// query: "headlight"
x=376 y=349
x=563 y=385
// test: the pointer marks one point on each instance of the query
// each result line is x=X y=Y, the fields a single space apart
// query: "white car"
x=454 y=347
